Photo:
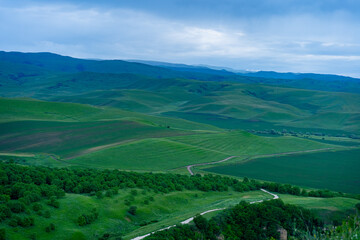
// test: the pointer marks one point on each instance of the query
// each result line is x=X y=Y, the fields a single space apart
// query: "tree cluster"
x=87 y=218
x=247 y=221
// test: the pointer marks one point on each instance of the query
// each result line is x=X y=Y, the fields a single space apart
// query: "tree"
x=201 y=223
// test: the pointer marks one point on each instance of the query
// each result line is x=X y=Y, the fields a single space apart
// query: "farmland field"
x=69 y=138
x=148 y=154
x=173 y=152
x=338 y=171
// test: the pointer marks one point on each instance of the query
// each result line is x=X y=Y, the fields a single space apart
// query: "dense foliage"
x=248 y=221
x=26 y=188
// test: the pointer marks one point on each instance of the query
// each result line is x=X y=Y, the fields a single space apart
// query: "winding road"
x=187 y=221
x=209 y=163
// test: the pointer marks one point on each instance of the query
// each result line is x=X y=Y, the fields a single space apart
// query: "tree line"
x=23 y=187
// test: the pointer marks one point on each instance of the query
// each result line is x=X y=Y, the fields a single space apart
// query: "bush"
x=5 y=212
x=86 y=219
x=127 y=202
x=2 y=234
x=50 y=228
x=16 y=206
x=53 y=202
x=47 y=214
x=4 y=198
x=99 y=195
x=32 y=236
x=22 y=222
x=37 y=207
x=132 y=210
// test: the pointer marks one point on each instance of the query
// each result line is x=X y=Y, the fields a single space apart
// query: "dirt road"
x=255 y=156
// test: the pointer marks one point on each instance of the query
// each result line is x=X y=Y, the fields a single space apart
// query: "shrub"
x=132 y=210
x=50 y=228
x=2 y=234
x=86 y=219
x=37 y=207
x=16 y=206
x=47 y=214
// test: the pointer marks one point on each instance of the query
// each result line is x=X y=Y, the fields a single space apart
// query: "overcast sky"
x=320 y=36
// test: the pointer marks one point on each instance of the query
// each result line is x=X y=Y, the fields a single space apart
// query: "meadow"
x=333 y=170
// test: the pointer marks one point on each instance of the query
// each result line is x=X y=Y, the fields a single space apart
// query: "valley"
x=71 y=119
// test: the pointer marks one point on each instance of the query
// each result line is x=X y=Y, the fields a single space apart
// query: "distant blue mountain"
x=17 y=65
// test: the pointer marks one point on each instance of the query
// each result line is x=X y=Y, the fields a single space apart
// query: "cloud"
x=268 y=35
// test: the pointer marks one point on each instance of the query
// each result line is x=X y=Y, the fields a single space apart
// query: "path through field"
x=255 y=156
x=187 y=221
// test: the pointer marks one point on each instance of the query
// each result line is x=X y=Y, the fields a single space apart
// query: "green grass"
x=35 y=159
x=30 y=109
x=338 y=171
x=167 y=209
x=243 y=143
x=148 y=154
x=173 y=152
x=329 y=209
x=67 y=139
x=259 y=107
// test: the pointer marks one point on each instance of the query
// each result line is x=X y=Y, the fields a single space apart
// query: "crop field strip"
x=334 y=170
x=70 y=138
x=173 y=152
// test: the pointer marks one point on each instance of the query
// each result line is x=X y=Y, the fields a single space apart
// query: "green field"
x=338 y=171
x=67 y=139
x=14 y=109
x=329 y=209
x=243 y=143
x=174 y=152
x=149 y=154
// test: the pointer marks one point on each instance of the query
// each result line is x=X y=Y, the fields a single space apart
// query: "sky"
x=320 y=36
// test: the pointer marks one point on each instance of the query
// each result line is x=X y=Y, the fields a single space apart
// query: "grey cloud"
x=304 y=36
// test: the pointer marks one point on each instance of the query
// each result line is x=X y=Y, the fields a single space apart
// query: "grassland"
x=264 y=107
x=33 y=159
x=174 y=152
x=243 y=143
x=148 y=154
x=67 y=139
x=166 y=209
x=30 y=109
x=338 y=171
x=329 y=209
